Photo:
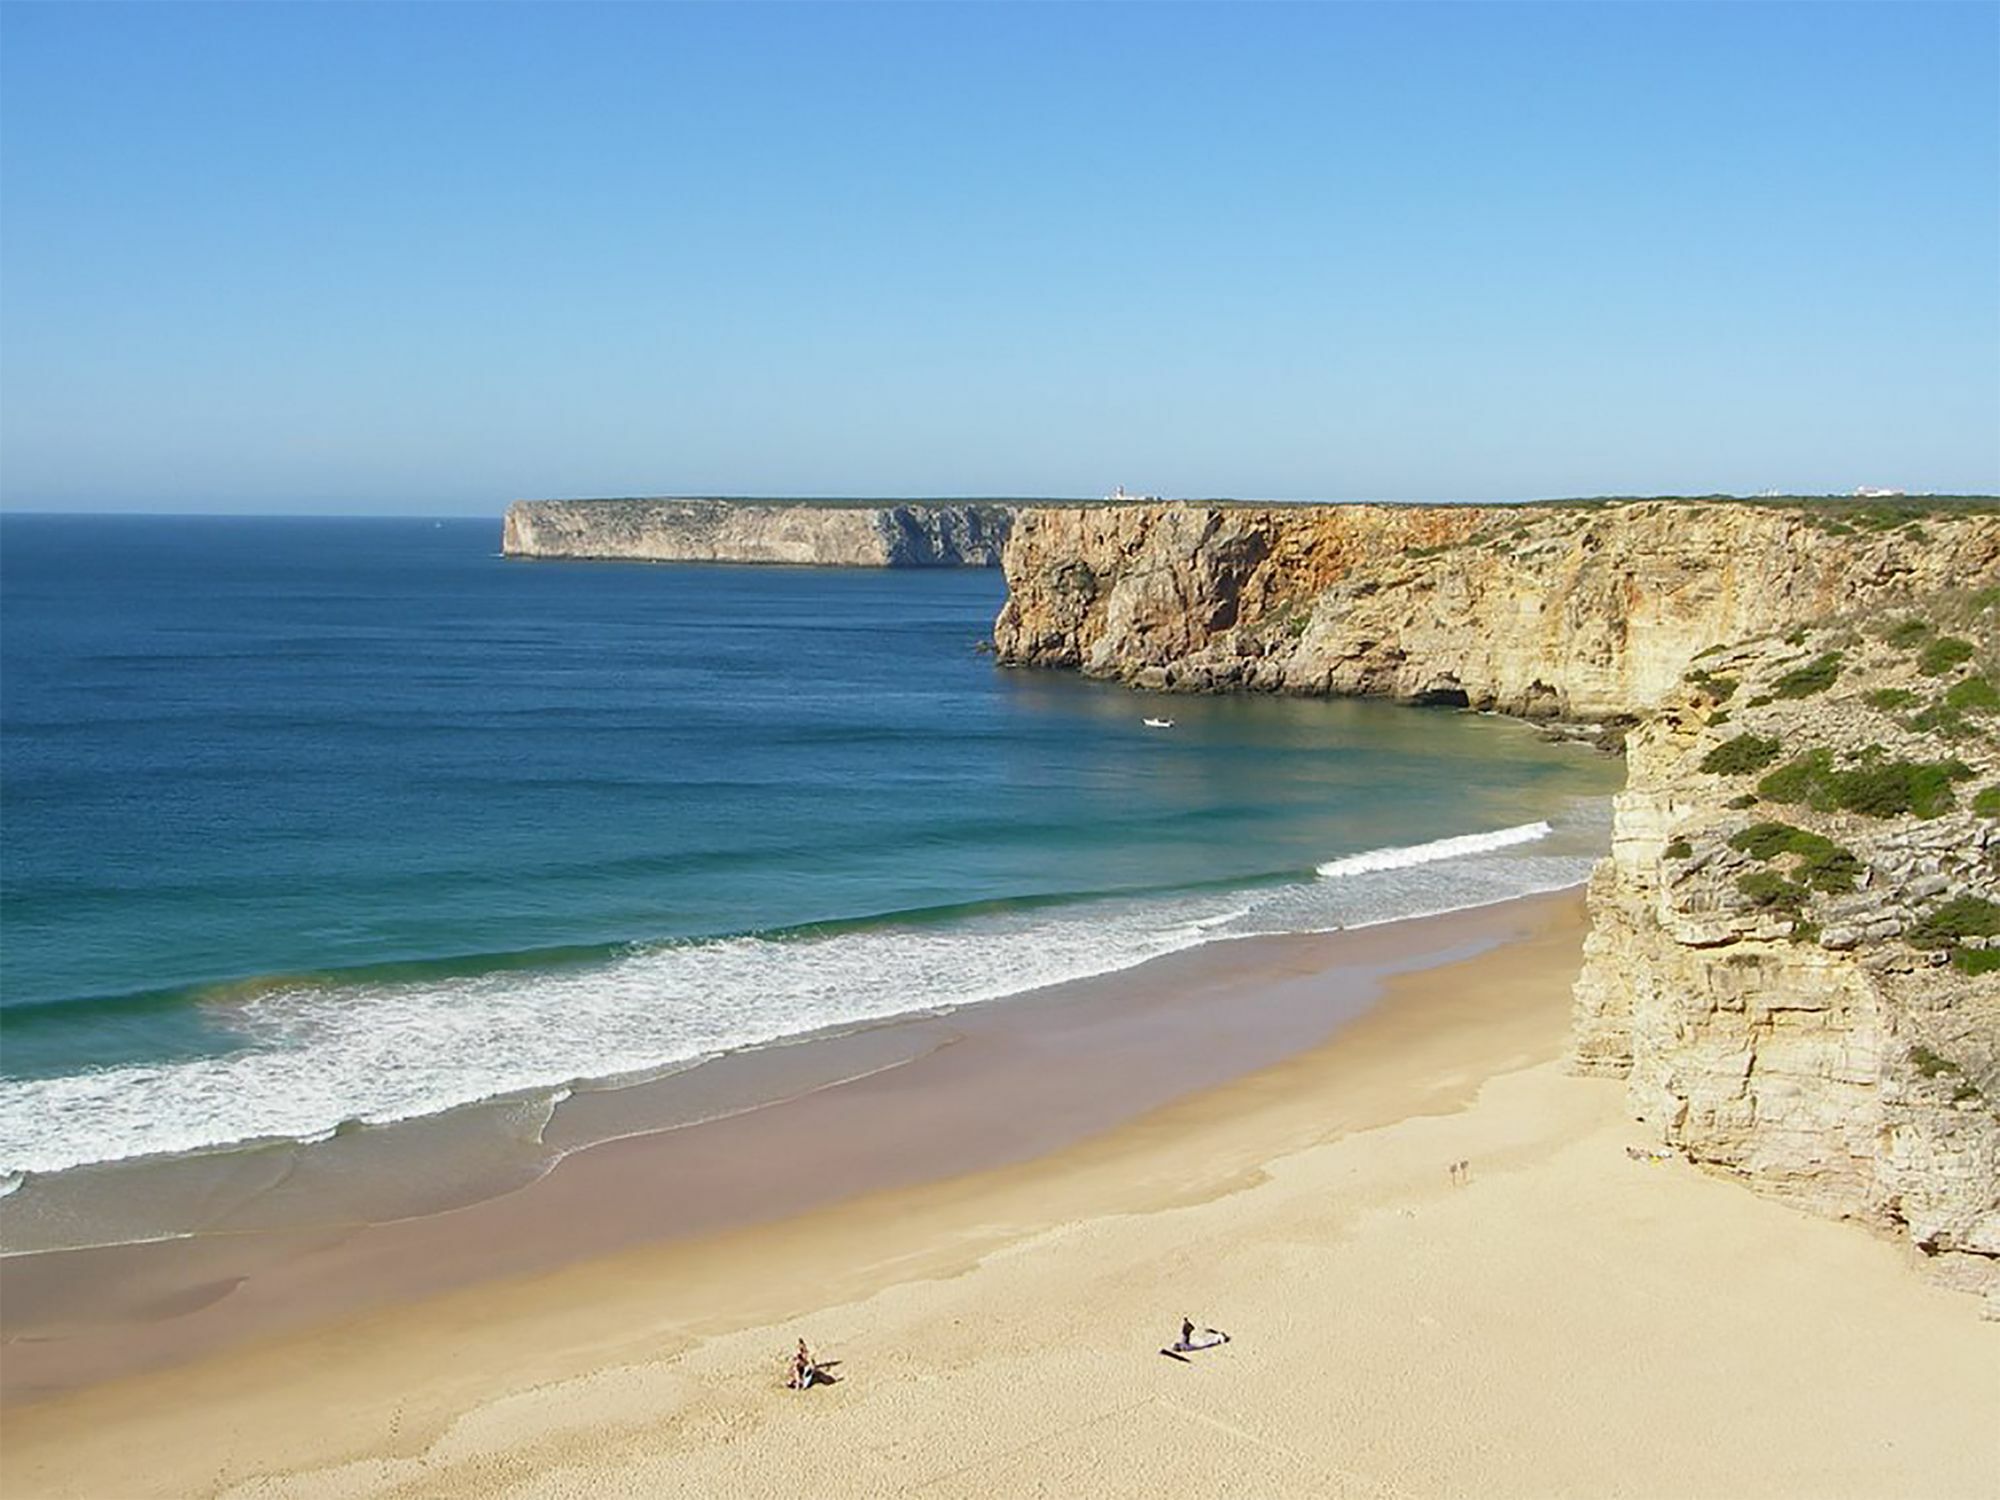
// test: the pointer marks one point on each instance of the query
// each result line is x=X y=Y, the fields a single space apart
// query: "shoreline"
x=998 y=1083
x=1571 y=1321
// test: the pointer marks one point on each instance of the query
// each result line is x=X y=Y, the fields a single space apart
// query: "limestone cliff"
x=1586 y=612
x=1794 y=953
x=888 y=535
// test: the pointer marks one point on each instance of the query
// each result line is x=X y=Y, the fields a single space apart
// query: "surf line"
x=1402 y=857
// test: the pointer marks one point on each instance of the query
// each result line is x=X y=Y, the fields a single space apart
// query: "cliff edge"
x=919 y=534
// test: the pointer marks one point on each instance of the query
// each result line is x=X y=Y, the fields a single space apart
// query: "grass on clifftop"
x=1862 y=512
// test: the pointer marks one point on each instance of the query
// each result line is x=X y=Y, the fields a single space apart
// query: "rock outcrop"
x=919 y=534
x=1794 y=953
x=1586 y=612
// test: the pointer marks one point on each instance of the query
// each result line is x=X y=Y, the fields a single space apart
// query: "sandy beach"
x=1566 y=1321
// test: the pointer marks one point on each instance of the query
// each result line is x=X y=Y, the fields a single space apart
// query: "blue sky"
x=425 y=259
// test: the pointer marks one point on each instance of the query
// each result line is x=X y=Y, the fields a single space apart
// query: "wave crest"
x=1403 y=857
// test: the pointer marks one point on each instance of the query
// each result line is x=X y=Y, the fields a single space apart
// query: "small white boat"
x=1159 y=723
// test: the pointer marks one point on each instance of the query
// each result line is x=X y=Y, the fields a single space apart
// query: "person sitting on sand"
x=1193 y=1339
x=803 y=1368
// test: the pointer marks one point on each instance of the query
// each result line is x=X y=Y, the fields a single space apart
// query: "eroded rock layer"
x=900 y=535
x=1550 y=612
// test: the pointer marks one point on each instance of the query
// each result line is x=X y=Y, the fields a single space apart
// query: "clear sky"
x=425 y=259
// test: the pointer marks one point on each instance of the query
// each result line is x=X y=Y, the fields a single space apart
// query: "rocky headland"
x=1795 y=945
x=914 y=534
x=1588 y=612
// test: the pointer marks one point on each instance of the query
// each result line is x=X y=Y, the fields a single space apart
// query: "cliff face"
x=1586 y=613
x=1792 y=954
x=744 y=531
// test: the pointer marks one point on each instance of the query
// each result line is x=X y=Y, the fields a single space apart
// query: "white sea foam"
x=313 y=1058
x=1404 y=856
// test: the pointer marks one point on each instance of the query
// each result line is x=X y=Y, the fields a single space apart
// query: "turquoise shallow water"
x=315 y=821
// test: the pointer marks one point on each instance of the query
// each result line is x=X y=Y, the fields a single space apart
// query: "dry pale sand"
x=1571 y=1322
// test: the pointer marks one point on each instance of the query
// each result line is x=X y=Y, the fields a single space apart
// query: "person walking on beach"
x=802 y=1367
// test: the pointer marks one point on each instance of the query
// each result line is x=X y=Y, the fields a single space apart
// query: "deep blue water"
x=310 y=820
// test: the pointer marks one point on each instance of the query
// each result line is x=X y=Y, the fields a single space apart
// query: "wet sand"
x=1570 y=1322
x=792 y=1128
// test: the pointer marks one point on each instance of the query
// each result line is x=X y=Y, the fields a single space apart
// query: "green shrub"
x=1975 y=961
x=1942 y=719
x=1798 y=778
x=1769 y=840
x=1897 y=787
x=1876 y=788
x=1679 y=849
x=1985 y=599
x=1960 y=917
x=1766 y=889
x=1835 y=870
x=1805 y=681
x=1929 y=1064
x=1719 y=688
x=1796 y=636
x=1973 y=695
x=1987 y=803
x=1743 y=799
x=1942 y=654
x=1740 y=756
x=1907 y=634
x=1759 y=701
x=1888 y=699
x=1823 y=864
x=1718 y=718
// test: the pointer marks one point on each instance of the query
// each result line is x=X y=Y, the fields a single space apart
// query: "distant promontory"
x=824 y=533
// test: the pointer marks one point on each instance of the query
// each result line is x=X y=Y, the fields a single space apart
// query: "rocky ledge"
x=915 y=534
x=1794 y=954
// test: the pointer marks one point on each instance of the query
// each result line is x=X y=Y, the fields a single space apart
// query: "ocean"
x=309 y=826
